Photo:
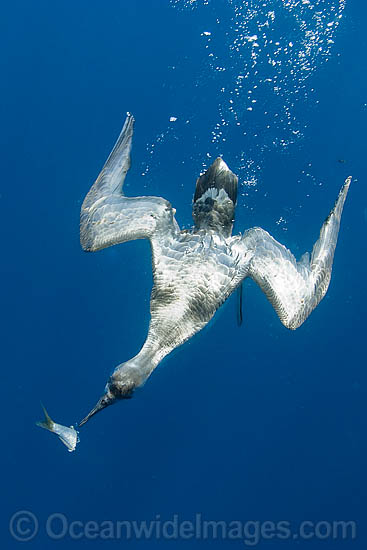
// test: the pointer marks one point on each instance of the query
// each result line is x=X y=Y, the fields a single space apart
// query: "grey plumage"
x=195 y=271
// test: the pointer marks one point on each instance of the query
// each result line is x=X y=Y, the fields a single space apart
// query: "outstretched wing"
x=108 y=217
x=294 y=288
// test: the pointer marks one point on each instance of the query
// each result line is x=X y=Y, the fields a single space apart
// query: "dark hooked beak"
x=106 y=399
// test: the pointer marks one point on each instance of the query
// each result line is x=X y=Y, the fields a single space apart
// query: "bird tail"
x=215 y=198
x=218 y=176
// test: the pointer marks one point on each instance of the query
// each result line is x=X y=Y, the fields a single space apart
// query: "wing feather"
x=294 y=288
x=108 y=217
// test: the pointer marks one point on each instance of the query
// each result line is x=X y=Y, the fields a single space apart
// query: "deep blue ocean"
x=244 y=426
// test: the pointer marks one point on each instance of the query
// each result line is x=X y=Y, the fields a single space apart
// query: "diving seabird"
x=195 y=271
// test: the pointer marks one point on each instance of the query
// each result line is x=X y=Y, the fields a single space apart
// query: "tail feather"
x=218 y=176
x=215 y=199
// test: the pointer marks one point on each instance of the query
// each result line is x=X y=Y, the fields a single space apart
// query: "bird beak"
x=105 y=400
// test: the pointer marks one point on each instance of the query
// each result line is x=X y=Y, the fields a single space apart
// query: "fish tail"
x=47 y=423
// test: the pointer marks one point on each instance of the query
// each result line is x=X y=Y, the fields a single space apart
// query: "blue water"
x=242 y=423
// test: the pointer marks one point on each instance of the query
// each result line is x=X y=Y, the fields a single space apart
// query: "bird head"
x=115 y=389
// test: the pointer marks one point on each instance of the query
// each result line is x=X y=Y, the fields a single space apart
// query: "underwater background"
x=247 y=424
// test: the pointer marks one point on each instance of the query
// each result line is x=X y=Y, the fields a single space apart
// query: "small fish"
x=69 y=436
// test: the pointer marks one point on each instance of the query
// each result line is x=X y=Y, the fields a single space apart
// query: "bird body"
x=195 y=271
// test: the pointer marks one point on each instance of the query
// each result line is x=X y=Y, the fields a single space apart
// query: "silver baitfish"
x=68 y=435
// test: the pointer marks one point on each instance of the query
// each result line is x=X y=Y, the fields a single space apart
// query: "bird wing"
x=293 y=288
x=108 y=217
